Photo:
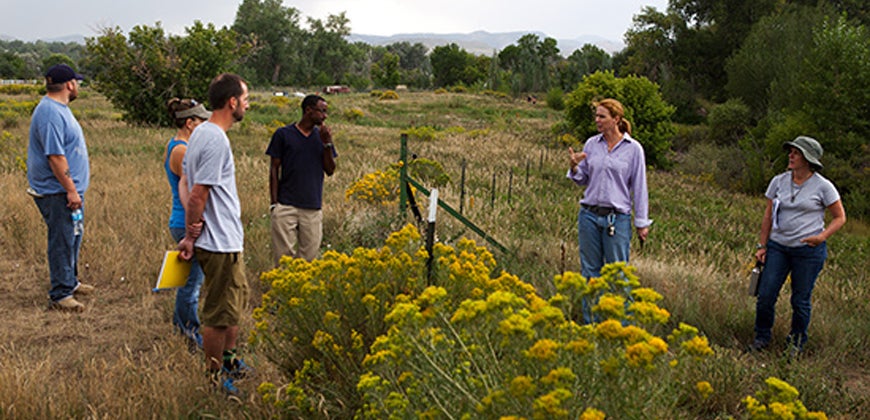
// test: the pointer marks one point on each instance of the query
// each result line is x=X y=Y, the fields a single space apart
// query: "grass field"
x=120 y=358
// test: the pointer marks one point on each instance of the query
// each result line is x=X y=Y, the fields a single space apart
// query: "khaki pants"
x=296 y=232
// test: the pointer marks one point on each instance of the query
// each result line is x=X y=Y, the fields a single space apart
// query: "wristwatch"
x=760 y=246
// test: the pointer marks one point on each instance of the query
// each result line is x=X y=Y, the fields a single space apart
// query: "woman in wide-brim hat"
x=793 y=239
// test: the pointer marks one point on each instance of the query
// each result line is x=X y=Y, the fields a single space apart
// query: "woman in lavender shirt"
x=613 y=169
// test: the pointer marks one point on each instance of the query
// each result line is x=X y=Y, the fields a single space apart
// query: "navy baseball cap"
x=61 y=73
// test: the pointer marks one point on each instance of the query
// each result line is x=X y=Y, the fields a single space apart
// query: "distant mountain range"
x=78 y=39
x=479 y=42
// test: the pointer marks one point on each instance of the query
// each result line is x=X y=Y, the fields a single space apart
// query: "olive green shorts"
x=225 y=288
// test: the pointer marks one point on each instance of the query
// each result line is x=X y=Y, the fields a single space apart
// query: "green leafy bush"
x=729 y=122
x=556 y=99
x=141 y=73
x=644 y=107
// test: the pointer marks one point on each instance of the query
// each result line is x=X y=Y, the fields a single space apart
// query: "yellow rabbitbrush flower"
x=522 y=386
x=549 y=406
x=580 y=346
x=704 y=389
x=592 y=414
x=648 y=313
x=697 y=346
x=778 y=401
x=610 y=306
x=643 y=354
x=561 y=376
x=645 y=294
x=516 y=324
x=543 y=350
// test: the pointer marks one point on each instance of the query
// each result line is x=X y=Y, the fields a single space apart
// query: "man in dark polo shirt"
x=301 y=153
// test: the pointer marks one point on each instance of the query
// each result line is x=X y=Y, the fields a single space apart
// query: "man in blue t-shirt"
x=301 y=153
x=58 y=172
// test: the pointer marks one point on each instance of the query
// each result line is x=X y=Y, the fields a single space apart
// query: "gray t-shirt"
x=799 y=210
x=209 y=161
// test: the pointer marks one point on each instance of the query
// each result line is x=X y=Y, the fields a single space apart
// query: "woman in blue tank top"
x=186 y=115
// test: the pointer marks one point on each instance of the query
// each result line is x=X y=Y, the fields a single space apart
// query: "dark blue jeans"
x=186 y=318
x=63 y=245
x=804 y=263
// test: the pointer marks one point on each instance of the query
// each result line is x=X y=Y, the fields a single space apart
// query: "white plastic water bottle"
x=78 y=223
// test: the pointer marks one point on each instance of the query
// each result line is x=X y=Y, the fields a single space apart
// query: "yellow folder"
x=173 y=273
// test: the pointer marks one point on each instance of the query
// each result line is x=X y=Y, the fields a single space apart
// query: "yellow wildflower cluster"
x=353 y=114
x=425 y=133
x=704 y=389
x=779 y=401
x=379 y=336
x=505 y=352
x=379 y=188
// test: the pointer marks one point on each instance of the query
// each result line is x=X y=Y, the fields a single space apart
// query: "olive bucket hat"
x=810 y=148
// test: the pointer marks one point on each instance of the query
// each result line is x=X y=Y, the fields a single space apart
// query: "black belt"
x=601 y=211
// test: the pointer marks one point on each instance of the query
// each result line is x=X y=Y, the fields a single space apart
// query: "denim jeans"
x=63 y=245
x=804 y=263
x=186 y=318
x=597 y=248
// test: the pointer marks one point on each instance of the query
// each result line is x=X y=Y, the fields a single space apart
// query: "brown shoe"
x=67 y=304
x=84 y=289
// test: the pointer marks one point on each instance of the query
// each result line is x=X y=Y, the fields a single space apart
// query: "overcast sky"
x=561 y=19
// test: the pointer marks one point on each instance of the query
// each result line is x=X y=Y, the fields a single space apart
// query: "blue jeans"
x=186 y=318
x=63 y=245
x=804 y=263
x=597 y=248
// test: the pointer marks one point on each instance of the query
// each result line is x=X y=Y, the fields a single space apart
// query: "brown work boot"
x=84 y=289
x=67 y=304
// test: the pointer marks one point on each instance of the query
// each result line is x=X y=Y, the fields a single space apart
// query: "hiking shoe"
x=84 y=289
x=229 y=387
x=67 y=304
x=240 y=369
x=758 y=345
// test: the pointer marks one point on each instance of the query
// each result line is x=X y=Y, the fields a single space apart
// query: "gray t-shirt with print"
x=799 y=210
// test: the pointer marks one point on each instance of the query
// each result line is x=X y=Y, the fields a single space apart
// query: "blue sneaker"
x=230 y=388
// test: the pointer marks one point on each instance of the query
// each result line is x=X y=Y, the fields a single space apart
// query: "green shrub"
x=374 y=93
x=440 y=91
x=688 y=136
x=139 y=73
x=556 y=99
x=644 y=107
x=729 y=122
